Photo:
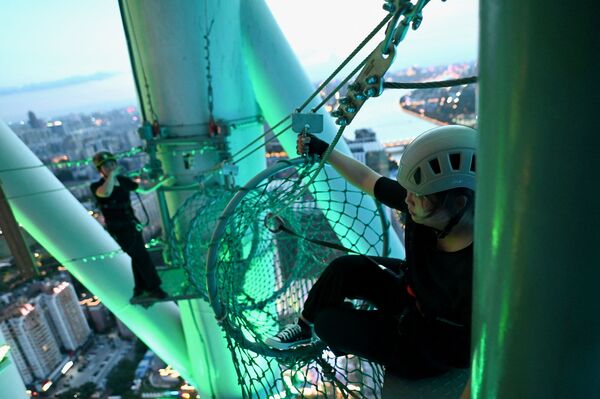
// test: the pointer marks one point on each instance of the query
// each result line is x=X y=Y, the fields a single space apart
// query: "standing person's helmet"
x=101 y=157
x=440 y=159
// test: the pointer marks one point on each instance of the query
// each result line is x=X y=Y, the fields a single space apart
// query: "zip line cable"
x=339 y=86
x=388 y=85
x=394 y=35
x=346 y=61
x=431 y=85
x=316 y=92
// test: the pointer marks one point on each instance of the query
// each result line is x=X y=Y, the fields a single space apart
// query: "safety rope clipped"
x=315 y=93
x=369 y=82
x=259 y=277
x=276 y=224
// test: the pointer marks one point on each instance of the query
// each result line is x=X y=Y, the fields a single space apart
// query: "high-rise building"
x=124 y=331
x=100 y=317
x=33 y=121
x=35 y=349
x=11 y=382
x=367 y=149
x=17 y=355
x=65 y=316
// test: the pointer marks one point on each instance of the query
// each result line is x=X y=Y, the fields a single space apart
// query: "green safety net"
x=259 y=277
x=189 y=236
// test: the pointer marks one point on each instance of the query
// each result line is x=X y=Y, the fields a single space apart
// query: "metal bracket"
x=398 y=8
x=149 y=132
x=368 y=83
x=153 y=168
x=230 y=169
x=307 y=122
x=413 y=16
x=229 y=172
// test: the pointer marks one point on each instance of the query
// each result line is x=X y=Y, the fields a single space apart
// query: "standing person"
x=421 y=323
x=112 y=192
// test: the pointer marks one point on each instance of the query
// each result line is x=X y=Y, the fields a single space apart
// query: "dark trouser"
x=144 y=272
x=373 y=334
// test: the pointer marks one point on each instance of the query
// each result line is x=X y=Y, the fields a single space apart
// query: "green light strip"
x=83 y=162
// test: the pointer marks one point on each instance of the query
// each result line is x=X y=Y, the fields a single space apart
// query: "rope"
x=345 y=62
x=260 y=137
x=260 y=279
x=314 y=175
x=430 y=85
x=317 y=91
x=285 y=129
x=342 y=83
x=282 y=227
x=394 y=35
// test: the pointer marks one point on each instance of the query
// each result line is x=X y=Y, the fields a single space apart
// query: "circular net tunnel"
x=259 y=275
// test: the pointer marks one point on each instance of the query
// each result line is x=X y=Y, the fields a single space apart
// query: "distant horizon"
x=85 y=64
x=53 y=88
x=58 y=83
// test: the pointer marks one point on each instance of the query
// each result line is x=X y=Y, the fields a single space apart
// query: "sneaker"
x=291 y=336
x=137 y=296
x=158 y=294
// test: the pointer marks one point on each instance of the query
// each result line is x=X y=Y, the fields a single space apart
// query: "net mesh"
x=191 y=229
x=262 y=277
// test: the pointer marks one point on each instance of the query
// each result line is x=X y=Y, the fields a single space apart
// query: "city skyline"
x=53 y=71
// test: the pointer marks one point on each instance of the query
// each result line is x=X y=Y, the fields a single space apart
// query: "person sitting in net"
x=112 y=193
x=421 y=321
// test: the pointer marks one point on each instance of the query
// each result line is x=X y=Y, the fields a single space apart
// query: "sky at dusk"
x=64 y=56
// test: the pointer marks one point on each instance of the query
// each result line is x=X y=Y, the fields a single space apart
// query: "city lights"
x=4 y=349
x=67 y=367
x=66 y=146
x=46 y=386
x=26 y=309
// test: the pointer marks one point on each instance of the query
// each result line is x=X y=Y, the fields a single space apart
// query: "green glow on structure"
x=4 y=349
x=478 y=364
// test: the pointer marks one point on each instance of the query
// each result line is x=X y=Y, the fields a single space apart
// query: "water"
x=385 y=117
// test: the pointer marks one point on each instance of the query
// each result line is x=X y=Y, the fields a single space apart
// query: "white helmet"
x=438 y=160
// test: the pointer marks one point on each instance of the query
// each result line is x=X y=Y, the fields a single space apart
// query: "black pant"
x=144 y=272
x=376 y=335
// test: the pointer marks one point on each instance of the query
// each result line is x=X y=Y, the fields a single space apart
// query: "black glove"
x=315 y=145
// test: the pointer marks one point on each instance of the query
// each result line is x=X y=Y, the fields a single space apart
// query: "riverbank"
x=424 y=117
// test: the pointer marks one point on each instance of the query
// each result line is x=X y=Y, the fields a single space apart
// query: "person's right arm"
x=106 y=188
x=352 y=170
x=387 y=191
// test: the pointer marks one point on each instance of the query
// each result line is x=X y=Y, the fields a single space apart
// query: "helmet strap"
x=453 y=221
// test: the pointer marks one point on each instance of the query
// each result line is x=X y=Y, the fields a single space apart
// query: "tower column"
x=189 y=71
x=536 y=326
